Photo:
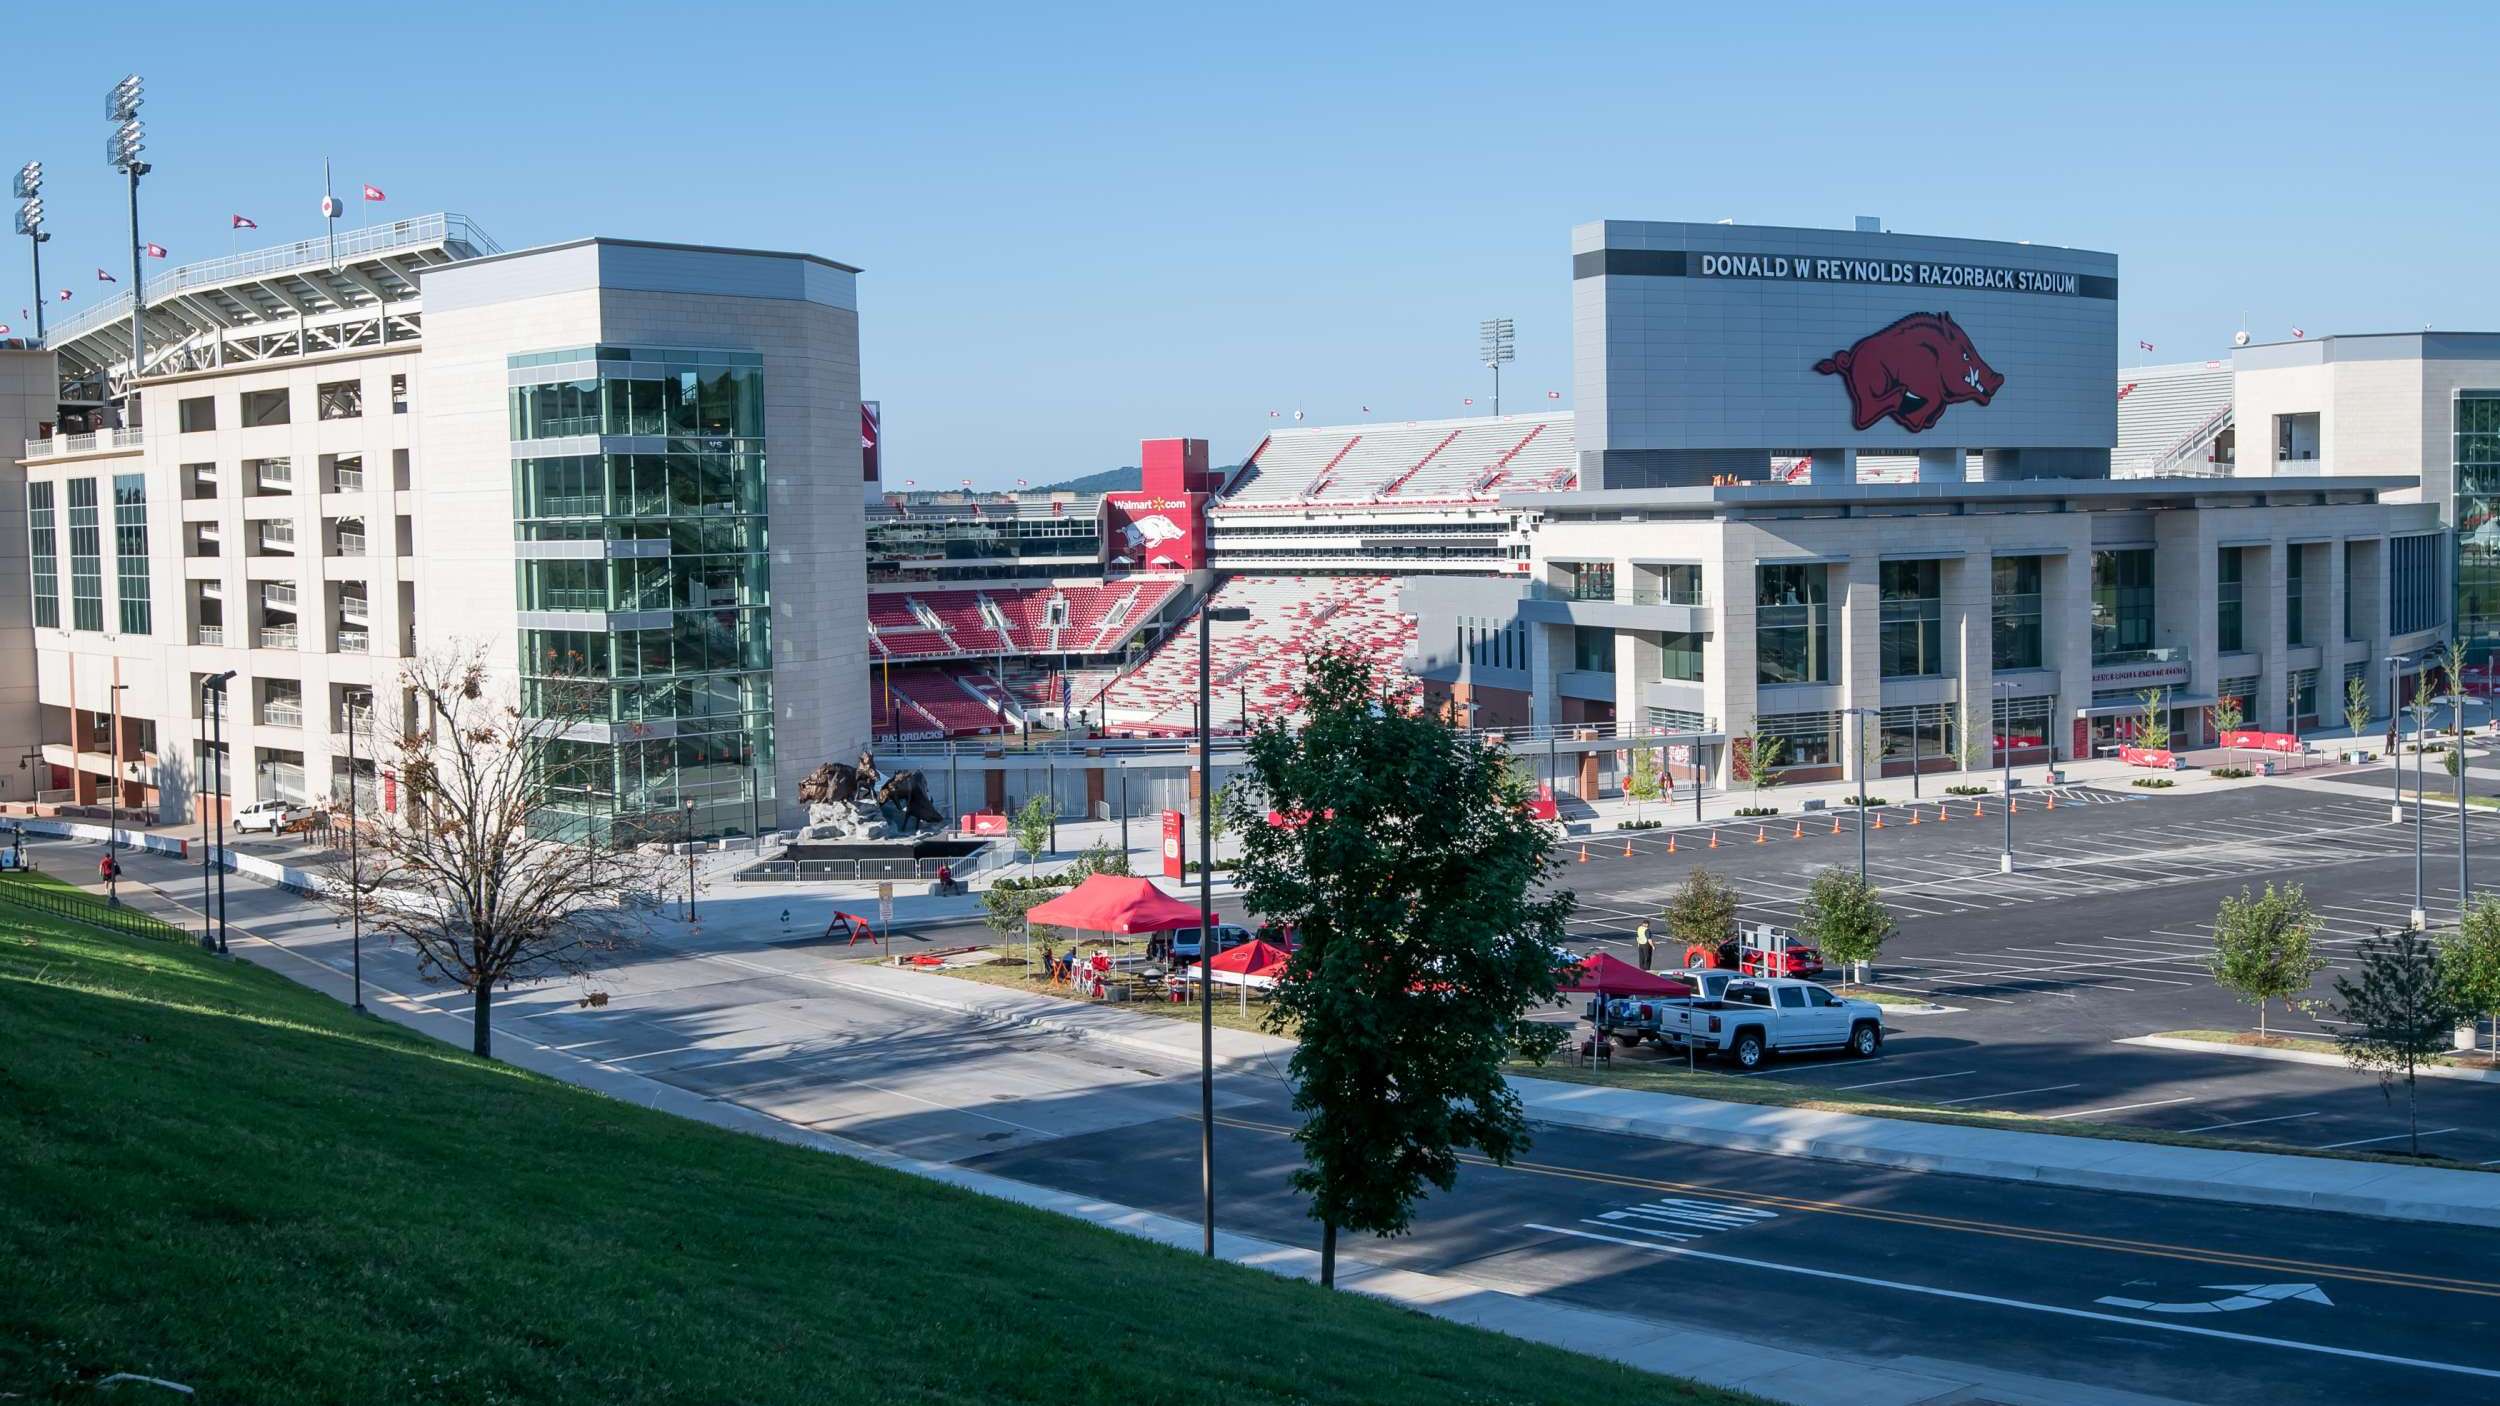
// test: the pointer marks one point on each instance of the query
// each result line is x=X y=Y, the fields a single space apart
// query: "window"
x=341 y=400
x=130 y=551
x=1588 y=580
x=2475 y=461
x=1679 y=656
x=2228 y=616
x=265 y=407
x=2413 y=581
x=197 y=414
x=43 y=544
x=1791 y=624
x=399 y=394
x=2122 y=602
x=1805 y=739
x=1911 y=641
x=200 y=479
x=1916 y=731
x=2295 y=610
x=2023 y=722
x=2295 y=438
x=1593 y=649
x=1792 y=998
x=86 y=558
x=2014 y=589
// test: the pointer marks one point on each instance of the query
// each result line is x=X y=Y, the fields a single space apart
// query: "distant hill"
x=1108 y=481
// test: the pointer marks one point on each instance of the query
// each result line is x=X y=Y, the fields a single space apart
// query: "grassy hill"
x=220 y=1178
x=1107 y=481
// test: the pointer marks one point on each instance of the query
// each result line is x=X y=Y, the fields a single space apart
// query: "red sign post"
x=1175 y=844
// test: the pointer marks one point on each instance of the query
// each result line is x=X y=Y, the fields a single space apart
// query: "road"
x=2011 y=1282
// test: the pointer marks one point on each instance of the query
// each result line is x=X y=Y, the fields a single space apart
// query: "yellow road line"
x=2039 y=1235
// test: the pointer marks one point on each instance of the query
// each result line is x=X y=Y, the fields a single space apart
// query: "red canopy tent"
x=1255 y=958
x=1612 y=976
x=1115 y=903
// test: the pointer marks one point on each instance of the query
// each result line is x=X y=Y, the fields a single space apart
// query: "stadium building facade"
x=625 y=472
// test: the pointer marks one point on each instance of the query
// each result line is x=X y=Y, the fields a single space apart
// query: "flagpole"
x=329 y=215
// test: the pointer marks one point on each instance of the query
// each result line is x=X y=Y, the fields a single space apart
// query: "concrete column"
x=1856 y=607
x=2368 y=583
x=2066 y=638
x=1549 y=653
x=1969 y=625
x=1636 y=663
x=1941 y=466
x=2185 y=584
x=1729 y=666
x=1832 y=466
x=2262 y=630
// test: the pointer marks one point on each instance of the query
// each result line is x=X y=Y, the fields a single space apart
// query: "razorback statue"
x=906 y=794
x=834 y=782
x=1911 y=371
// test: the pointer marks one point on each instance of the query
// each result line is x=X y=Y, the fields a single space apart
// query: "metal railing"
x=282 y=714
x=419 y=232
x=349 y=480
x=351 y=544
x=214 y=636
x=130 y=438
x=25 y=891
x=354 y=641
x=277 y=593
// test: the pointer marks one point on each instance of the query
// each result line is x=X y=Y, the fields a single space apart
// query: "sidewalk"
x=2384 y=1190
x=1519 y=1310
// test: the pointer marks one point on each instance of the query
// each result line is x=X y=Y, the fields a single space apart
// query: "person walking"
x=1641 y=940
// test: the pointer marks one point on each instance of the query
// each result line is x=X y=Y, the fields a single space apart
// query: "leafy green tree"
x=2153 y=727
x=2265 y=947
x=1031 y=827
x=2227 y=716
x=2397 y=1017
x=2356 y=705
x=1845 y=916
x=2469 y=960
x=1642 y=783
x=1763 y=751
x=1701 y=911
x=1974 y=740
x=1426 y=945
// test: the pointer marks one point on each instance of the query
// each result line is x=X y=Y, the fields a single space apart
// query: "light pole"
x=113 y=805
x=355 y=868
x=1859 y=742
x=2005 y=761
x=2395 y=754
x=2420 y=918
x=1494 y=340
x=29 y=192
x=1208 y=613
x=689 y=813
x=121 y=151
x=214 y=687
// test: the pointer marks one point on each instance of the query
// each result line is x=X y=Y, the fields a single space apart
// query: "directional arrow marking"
x=2243 y=1296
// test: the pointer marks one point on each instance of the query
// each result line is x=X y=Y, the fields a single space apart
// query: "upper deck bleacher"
x=1414 y=461
x=2168 y=418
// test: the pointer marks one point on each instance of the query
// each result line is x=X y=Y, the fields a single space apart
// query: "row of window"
x=332 y=400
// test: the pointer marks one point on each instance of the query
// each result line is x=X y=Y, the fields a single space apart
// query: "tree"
x=1701 y=911
x=2396 y=1017
x=1642 y=782
x=1425 y=944
x=1762 y=752
x=1217 y=824
x=2469 y=960
x=1974 y=740
x=2356 y=705
x=2227 y=716
x=485 y=879
x=1844 y=916
x=2265 y=947
x=1031 y=827
x=2153 y=726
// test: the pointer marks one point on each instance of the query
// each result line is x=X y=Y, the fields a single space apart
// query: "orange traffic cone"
x=2052 y=800
x=1761 y=834
x=1975 y=812
x=1714 y=839
x=1879 y=820
x=1670 y=844
x=1584 y=854
x=2015 y=805
x=1835 y=822
x=1942 y=814
x=1800 y=832
x=1627 y=849
x=1913 y=817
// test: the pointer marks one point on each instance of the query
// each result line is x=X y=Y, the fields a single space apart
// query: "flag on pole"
x=2296 y=332
x=2147 y=346
x=156 y=251
x=243 y=222
x=1468 y=401
x=102 y=277
x=1553 y=395
x=4 y=329
x=65 y=295
x=373 y=192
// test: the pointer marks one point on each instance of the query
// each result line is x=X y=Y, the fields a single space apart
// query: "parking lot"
x=2099 y=934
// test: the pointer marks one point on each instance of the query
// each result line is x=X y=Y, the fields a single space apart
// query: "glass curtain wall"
x=2014 y=589
x=676 y=677
x=1792 y=627
x=2122 y=603
x=2476 y=513
x=1912 y=629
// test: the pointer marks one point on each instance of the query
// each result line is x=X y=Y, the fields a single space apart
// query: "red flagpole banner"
x=244 y=222
x=373 y=192
x=156 y=251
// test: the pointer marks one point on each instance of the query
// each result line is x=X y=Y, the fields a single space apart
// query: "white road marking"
x=2391 y=1137
x=2251 y=1122
x=2120 y=1108
x=2011 y=1093
x=1916 y=1079
x=2059 y=1310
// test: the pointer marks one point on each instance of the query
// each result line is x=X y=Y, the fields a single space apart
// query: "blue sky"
x=1089 y=226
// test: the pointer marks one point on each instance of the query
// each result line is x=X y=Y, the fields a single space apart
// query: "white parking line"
x=2120 y=1108
x=2250 y=1122
x=2012 y=1093
x=2391 y=1137
x=1918 y=1079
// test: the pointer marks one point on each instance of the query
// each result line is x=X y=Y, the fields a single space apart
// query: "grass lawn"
x=1150 y=995
x=2460 y=1060
x=1661 y=1076
x=220 y=1178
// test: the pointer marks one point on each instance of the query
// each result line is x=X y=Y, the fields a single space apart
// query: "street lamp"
x=213 y=704
x=2395 y=755
x=2421 y=917
x=1494 y=341
x=113 y=804
x=2457 y=701
x=28 y=189
x=355 y=869
x=689 y=812
x=121 y=152
x=1859 y=742
x=1208 y=613
x=2005 y=760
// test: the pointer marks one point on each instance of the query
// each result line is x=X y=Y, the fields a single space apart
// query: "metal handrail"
x=130 y=437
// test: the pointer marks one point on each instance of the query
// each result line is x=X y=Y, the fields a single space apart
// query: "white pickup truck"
x=1756 y=1018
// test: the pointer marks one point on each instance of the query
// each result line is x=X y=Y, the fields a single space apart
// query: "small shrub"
x=1641 y=825
x=2229 y=773
x=1755 y=812
x=1864 y=800
x=1966 y=790
x=2155 y=783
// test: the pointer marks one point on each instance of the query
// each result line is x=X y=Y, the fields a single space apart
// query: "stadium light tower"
x=29 y=192
x=1494 y=340
x=121 y=152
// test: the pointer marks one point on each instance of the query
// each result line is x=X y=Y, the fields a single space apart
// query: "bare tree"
x=481 y=875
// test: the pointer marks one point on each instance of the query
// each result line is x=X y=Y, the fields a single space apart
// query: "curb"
x=2428 y=1071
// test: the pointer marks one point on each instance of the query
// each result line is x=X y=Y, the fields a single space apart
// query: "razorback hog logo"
x=1911 y=371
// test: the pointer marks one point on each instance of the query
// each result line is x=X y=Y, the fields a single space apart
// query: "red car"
x=1798 y=960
